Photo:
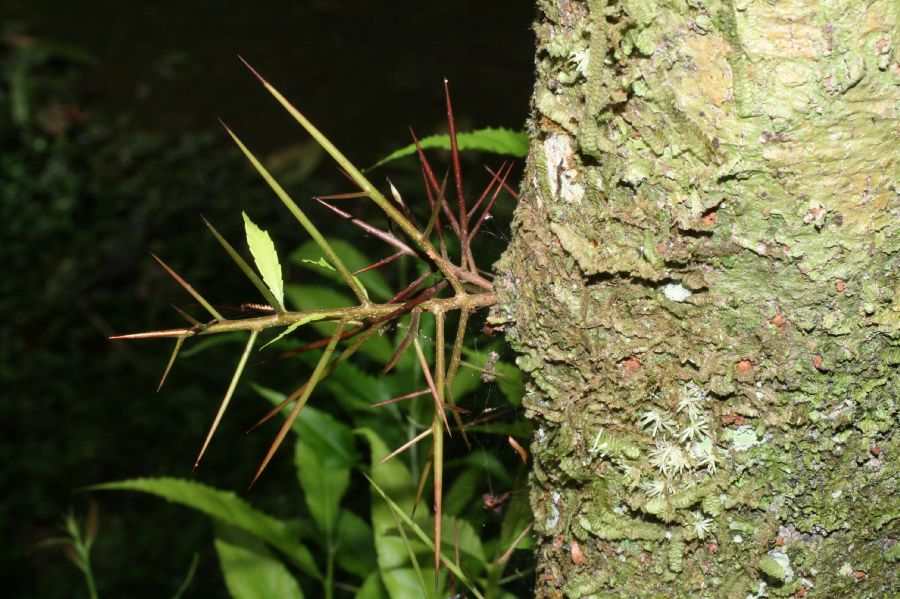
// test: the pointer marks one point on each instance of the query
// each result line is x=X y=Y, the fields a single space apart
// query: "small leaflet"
x=265 y=257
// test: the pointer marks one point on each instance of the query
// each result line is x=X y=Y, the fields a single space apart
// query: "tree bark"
x=703 y=288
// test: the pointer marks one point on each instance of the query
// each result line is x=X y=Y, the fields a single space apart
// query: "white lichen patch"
x=742 y=438
x=676 y=292
x=563 y=176
x=669 y=459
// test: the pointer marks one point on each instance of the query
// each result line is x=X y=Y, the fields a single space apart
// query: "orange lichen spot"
x=558 y=542
x=661 y=248
x=817 y=361
x=859 y=575
x=801 y=592
x=631 y=365
x=712 y=548
x=882 y=45
x=779 y=321
x=710 y=218
x=744 y=365
x=779 y=541
x=739 y=420
x=839 y=285
x=575 y=551
x=875 y=451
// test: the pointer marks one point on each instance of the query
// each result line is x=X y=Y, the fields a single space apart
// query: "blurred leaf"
x=395 y=479
x=309 y=257
x=293 y=327
x=495 y=140
x=313 y=297
x=225 y=506
x=266 y=258
x=462 y=490
x=508 y=377
x=250 y=570
x=372 y=587
x=323 y=486
x=294 y=164
x=469 y=544
x=402 y=583
x=355 y=545
x=192 y=348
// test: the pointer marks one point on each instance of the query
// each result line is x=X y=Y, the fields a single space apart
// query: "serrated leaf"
x=266 y=258
x=250 y=570
x=494 y=140
x=227 y=507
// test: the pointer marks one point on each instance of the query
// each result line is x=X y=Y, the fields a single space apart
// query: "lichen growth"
x=711 y=278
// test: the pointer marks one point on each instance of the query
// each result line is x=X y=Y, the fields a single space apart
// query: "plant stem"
x=438 y=434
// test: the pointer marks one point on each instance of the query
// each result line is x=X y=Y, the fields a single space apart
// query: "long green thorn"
x=189 y=289
x=178 y=343
x=231 y=387
x=410 y=523
x=364 y=184
x=245 y=268
x=301 y=217
x=438 y=466
x=301 y=400
x=405 y=446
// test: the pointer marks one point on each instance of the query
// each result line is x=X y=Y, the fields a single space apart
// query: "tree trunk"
x=703 y=288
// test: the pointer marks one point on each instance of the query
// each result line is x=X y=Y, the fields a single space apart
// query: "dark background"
x=116 y=155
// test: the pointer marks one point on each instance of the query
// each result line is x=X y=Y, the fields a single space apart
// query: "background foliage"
x=102 y=161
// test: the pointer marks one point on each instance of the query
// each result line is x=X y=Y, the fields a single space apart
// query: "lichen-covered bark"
x=703 y=287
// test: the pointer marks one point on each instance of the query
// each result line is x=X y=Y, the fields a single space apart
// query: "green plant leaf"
x=323 y=485
x=250 y=570
x=266 y=258
x=293 y=327
x=309 y=256
x=355 y=550
x=372 y=588
x=314 y=297
x=227 y=507
x=494 y=140
x=508 y=377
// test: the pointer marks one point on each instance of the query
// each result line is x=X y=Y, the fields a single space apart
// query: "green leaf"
x=495 y=140
x=266 y=258
x=372 y=588
x=227 y=507
x=309 y=256
x=314 y=297
x=508 y=377
x=355 y=551
x=323 y=486
x=294 y=326
x=250 y=570
x=331 y=439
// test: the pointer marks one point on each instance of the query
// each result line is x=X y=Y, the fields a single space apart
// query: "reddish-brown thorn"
x=343 y=196
x=161 y=334
x=457 y=169
x=405 y=446
x=432 y=180
x=410 y=288
x=187 y=287
x=431 y=386
x=487 y=190
x=505 y=557
x=404 y=343
x=374 y=231
x=314 y=379
x=400 y=398
x=509 y=189
x=380 y=263
x=423 y=478
x=490 y=204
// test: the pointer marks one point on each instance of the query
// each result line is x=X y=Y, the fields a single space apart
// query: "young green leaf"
x=494 y=140
x=294 y=326
x=250 y=570
x=227 y=507
x=323 y=485
x=266 y=258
